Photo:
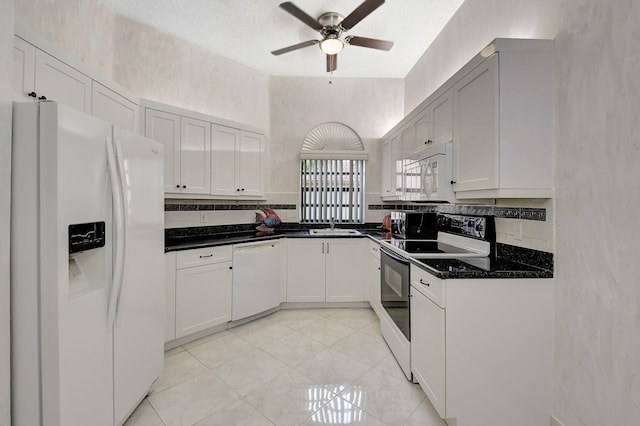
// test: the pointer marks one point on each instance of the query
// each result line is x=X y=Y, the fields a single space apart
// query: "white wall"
x=371 y=107
x=597 y=380
x=148 y=62
x=6 y=69
x=597 y=134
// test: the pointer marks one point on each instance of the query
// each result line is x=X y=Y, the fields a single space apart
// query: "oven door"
x=394 y=289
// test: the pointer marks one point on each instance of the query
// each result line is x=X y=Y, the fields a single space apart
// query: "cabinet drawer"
x=204 y=256
x=427 y=284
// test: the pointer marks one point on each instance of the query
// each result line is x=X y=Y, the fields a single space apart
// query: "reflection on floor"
x=293 y=367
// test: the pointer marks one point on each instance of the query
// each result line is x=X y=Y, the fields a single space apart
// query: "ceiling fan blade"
x=372 y=43
x=301 y=15
x=294 y=47
x=332 y=63
x=360 y=13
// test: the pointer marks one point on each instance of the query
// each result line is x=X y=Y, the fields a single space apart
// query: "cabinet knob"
x=42 y=98
x=453 y=182
x=184 y=186
x=242 y=189
x=32 y=94
x=177 y=186
x=238 y=189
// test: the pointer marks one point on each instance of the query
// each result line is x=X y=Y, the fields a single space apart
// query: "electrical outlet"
x=203 y=217
x=517 y=231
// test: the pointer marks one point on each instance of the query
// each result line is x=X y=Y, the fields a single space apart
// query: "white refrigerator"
x=87 y=253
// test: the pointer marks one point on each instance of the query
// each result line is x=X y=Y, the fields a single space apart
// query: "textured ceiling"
x=248 y=30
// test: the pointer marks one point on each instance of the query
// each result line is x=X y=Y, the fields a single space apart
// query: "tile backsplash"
x=521 y=223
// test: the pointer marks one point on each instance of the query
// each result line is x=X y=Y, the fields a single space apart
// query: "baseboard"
x=555 y=421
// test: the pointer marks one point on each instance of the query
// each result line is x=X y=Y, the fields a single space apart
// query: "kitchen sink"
x=334 y=231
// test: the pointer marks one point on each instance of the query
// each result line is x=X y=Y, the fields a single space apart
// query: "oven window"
x=394 y=291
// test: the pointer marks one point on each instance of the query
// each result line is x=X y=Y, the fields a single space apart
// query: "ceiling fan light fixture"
x=331 y=46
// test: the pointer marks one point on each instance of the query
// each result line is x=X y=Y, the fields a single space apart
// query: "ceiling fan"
x=331 y=26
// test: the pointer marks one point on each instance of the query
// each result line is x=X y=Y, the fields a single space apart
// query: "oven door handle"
x=394 y=256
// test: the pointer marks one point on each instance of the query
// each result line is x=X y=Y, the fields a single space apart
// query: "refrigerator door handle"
x=119 y=234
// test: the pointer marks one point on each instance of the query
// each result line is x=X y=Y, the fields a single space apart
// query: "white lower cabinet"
x=170 y=296
x=325 y=270
x=483 y=356
x=428 y=349
x=203 y=289
x=373 y=277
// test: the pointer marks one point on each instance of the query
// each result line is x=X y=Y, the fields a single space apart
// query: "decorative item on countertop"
x=386 y=226
x=267 y=220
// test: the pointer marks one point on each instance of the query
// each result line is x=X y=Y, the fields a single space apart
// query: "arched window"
x=332 y=171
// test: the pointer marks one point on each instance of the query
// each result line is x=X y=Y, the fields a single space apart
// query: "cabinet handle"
x=42 y=98
x=32 y=94
x=204 y=257
x=422 y=282
x=327 y=248
x=322 y=248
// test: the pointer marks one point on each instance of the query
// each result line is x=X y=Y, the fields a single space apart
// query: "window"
x=332 y=189
x=332 y=165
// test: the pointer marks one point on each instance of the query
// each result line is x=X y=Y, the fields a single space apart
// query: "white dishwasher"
x=258 y=273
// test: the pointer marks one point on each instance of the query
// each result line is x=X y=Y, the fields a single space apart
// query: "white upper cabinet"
x=40 y=75
x=386 y=168
x=164 y=127
x=503 y=123
x=57 y=81
x=114 y=108
x=477 y=145
x=497 y=110
x=195 y=156
x=187 y=150
x=238 y=163
x=24 y=69
x=251 y=164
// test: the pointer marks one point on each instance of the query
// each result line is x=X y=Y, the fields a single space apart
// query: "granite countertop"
x=193 y=238
x=499 y=268
x=510 y=262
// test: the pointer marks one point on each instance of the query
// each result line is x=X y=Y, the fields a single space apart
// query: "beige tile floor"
x=293 y=367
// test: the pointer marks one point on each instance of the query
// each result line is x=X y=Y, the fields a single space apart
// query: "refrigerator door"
x=61 y=347
x=139 y=322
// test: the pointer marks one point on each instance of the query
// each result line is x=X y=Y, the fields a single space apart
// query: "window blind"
x=332 y=188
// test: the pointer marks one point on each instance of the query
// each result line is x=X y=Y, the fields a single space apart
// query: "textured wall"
x=371 y=107
x=474 y=26
x=148 y=62
x=166 y=69
x=6 y=69
x=597 y=380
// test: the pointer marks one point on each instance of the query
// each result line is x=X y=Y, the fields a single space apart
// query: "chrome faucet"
x=332 y=222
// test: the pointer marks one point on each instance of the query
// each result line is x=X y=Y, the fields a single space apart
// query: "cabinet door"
x=59 y=82
x=409 y=141
x=165 y=128
x=224 y=141
x=398 y=165
x=424 y=125
x=441 y=111
x=203 y=297
x=344 y=269
x=170 y=296
x=251 y=164
x=386 y=168
x=24 y=69
x=195 y=156
x=373 y=276
x=475 y=128
x=114 y=108
x=428 y=348
x=305 y=270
